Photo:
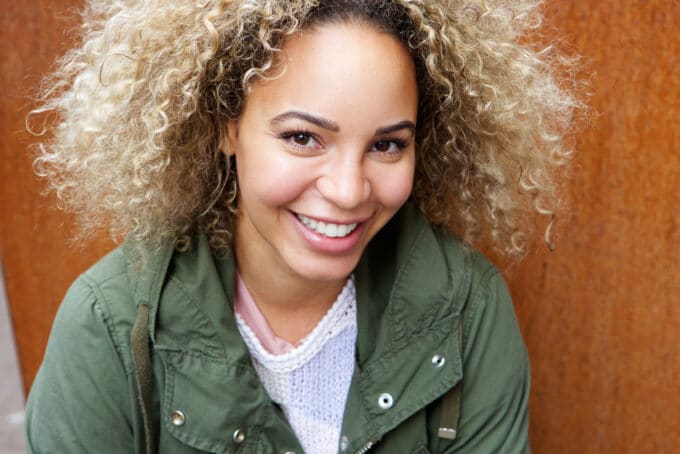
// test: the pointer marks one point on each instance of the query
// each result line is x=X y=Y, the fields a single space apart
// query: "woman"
x=284 y=173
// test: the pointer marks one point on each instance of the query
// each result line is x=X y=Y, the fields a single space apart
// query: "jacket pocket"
x=207 y=404
x=421 y=450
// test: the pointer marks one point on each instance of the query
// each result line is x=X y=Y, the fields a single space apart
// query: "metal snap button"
x=385 y=401
x=239 y=436
x=438 y=360
x=177 y=418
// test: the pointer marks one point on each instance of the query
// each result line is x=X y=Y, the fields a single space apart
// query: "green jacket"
x=416 y=288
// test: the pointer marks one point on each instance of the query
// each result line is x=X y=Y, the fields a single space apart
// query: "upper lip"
x=334 y=221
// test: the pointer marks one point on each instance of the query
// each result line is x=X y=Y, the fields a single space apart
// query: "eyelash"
x=401 y=144
x=288 y=135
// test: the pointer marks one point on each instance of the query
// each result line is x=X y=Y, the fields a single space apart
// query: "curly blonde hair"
x=142 y=106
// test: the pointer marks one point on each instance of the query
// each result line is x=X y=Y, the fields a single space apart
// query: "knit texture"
x=311 y=382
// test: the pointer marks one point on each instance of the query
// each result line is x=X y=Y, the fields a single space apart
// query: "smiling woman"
x=320 y=150
x=284 y=174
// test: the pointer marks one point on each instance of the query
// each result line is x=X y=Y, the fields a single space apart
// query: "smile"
x=327 y=228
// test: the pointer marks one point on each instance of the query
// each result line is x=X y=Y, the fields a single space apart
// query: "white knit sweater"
x=311 y=382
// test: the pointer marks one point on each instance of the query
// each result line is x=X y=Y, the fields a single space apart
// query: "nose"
x=344 y=182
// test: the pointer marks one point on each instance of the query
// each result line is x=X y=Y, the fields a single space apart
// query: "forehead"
x=336 y=69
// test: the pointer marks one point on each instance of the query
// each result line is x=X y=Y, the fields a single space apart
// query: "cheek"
x=269 y=181
x=393 y=189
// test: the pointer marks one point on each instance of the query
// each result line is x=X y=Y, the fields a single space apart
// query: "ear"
x=229 y=138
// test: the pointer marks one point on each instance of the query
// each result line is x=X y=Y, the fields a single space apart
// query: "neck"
x=292 y=306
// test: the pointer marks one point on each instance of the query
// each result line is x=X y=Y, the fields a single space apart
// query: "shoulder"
x=488 y=298
x=477 y=280
x=91 y=313
x=495 y=362
x=78 y=392
x=486 y=306
x=496 y=372
x=479 y=285
x=98 y=305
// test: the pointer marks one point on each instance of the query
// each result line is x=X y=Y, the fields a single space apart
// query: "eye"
x=382 y=145
x=390 y=146
x=300 y=139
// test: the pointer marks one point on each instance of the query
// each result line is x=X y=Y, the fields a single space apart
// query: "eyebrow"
x=332 y=126
x=396 y=127
x=319 y=121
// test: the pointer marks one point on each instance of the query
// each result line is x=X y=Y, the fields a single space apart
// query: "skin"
x=314 y=142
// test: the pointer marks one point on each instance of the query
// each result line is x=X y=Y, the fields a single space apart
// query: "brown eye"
x=301 y=139
x=382 y=145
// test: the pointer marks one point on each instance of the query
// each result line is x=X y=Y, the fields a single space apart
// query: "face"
x=325 y=152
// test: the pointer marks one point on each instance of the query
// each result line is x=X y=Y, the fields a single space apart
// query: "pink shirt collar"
x=246 y=308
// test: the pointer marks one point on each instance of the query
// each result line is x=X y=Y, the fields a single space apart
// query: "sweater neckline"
x=340 y=315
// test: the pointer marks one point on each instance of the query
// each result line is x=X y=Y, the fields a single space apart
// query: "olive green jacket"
x=416 y=288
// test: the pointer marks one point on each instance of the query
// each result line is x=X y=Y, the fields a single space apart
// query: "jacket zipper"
x=368 y=445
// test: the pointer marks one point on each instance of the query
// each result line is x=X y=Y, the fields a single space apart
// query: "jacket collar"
x=406 y=280
x=411 y=284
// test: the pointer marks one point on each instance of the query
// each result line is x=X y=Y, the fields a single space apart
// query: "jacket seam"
x=395 y=336
x=203 y=315
x=388 y=357
x=478 y=296
x=192 y=439
x=241 y=367
x=106 y=318
x=92 y=281
x=381 y=429
x=155 y=288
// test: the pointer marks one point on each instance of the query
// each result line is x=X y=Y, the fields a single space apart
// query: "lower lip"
x=321 y=243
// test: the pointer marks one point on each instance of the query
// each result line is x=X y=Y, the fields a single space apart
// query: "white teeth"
x=328 y=229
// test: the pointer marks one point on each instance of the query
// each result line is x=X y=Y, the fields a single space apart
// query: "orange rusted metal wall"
x=601 y=314
x=39 y=263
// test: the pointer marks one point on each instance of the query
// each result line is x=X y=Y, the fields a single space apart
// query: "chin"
x=326 y=270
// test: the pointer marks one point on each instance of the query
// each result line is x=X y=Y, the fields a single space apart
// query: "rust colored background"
x=601 y=315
